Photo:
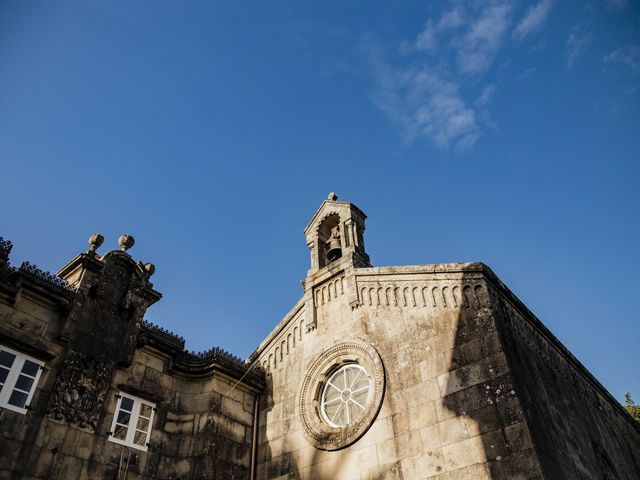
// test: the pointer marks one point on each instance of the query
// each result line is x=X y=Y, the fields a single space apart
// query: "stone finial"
x=95 y=241
x=126 y=242
x=332 y=196
x=150 y=268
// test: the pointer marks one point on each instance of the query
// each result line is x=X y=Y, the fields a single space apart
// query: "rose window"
x=345 y=395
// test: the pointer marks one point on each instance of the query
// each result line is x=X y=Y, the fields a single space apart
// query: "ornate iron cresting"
x=162 y=333
x=5 y=250
x=213 y=354
x=46 y=277
x=199 y=361
x=217 y=355
x=5 y=246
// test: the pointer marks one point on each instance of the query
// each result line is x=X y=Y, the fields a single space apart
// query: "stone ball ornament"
x=95 y=242
x=341 y=394
x=150 y=268
x=126 y=242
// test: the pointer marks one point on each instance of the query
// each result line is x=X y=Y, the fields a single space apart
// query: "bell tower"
x=335 y=237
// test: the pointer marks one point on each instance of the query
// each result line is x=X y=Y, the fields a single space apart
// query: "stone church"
x=411 y=372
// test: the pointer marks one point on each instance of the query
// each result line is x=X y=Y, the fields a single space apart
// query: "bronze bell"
x=335 y=250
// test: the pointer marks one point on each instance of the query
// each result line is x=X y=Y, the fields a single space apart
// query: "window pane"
x=18 y=399
x=143 y=424
x=361 y=383
x=123 y=417
x=6 y=358
x=145 y=410
x=332 y=409
x=3 y=374
x=140 y=438
x=24 y=383
x=360 y=397
x=126 y=404
x=332 y=393
x=30 y=368
x=341 y=417
x=351 y=374
x=120 y=432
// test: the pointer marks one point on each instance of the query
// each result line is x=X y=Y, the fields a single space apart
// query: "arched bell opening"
x=329 y=240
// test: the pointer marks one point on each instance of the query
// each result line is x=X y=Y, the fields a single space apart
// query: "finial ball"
x=95 y=241
x=150 y=268
x=332 y=196
x=126 y=242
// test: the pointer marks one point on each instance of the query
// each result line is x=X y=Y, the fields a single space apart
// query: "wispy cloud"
x=533 y=20
x=427 y=39
x=579 y=40
x=628 y=56
x=528 y=73
x=616 y=5
x=486 y=96
x=424 y=104
x=435 y=87
x=477 y=48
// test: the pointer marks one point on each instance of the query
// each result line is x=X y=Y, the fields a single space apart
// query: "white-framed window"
x=345 y=396
x=19 y=375
x=132 y=422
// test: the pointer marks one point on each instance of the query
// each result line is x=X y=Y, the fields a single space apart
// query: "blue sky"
x=502 y=132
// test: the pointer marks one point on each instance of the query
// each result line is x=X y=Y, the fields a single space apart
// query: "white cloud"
x=425 y=105
x=533 y=20
x=434 y=86
x=629 y=56
x=478 y=47
x=486 y=96
x=427 y=39
x=577 y=44
x=438 y=110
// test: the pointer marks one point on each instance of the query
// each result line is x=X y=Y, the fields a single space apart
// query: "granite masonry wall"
x=579 y=430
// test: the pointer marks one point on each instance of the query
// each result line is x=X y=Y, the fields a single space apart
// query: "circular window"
x=341 y=395
x=345 y=395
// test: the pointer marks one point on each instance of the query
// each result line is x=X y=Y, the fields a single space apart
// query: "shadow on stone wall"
x=579 y=429
x=480 y=397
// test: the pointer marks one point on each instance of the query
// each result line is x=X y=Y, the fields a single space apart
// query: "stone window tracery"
x=19 y=375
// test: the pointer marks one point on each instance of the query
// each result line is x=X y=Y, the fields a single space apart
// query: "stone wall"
x=579 y=430
x=196 y=432
x=202 y=429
